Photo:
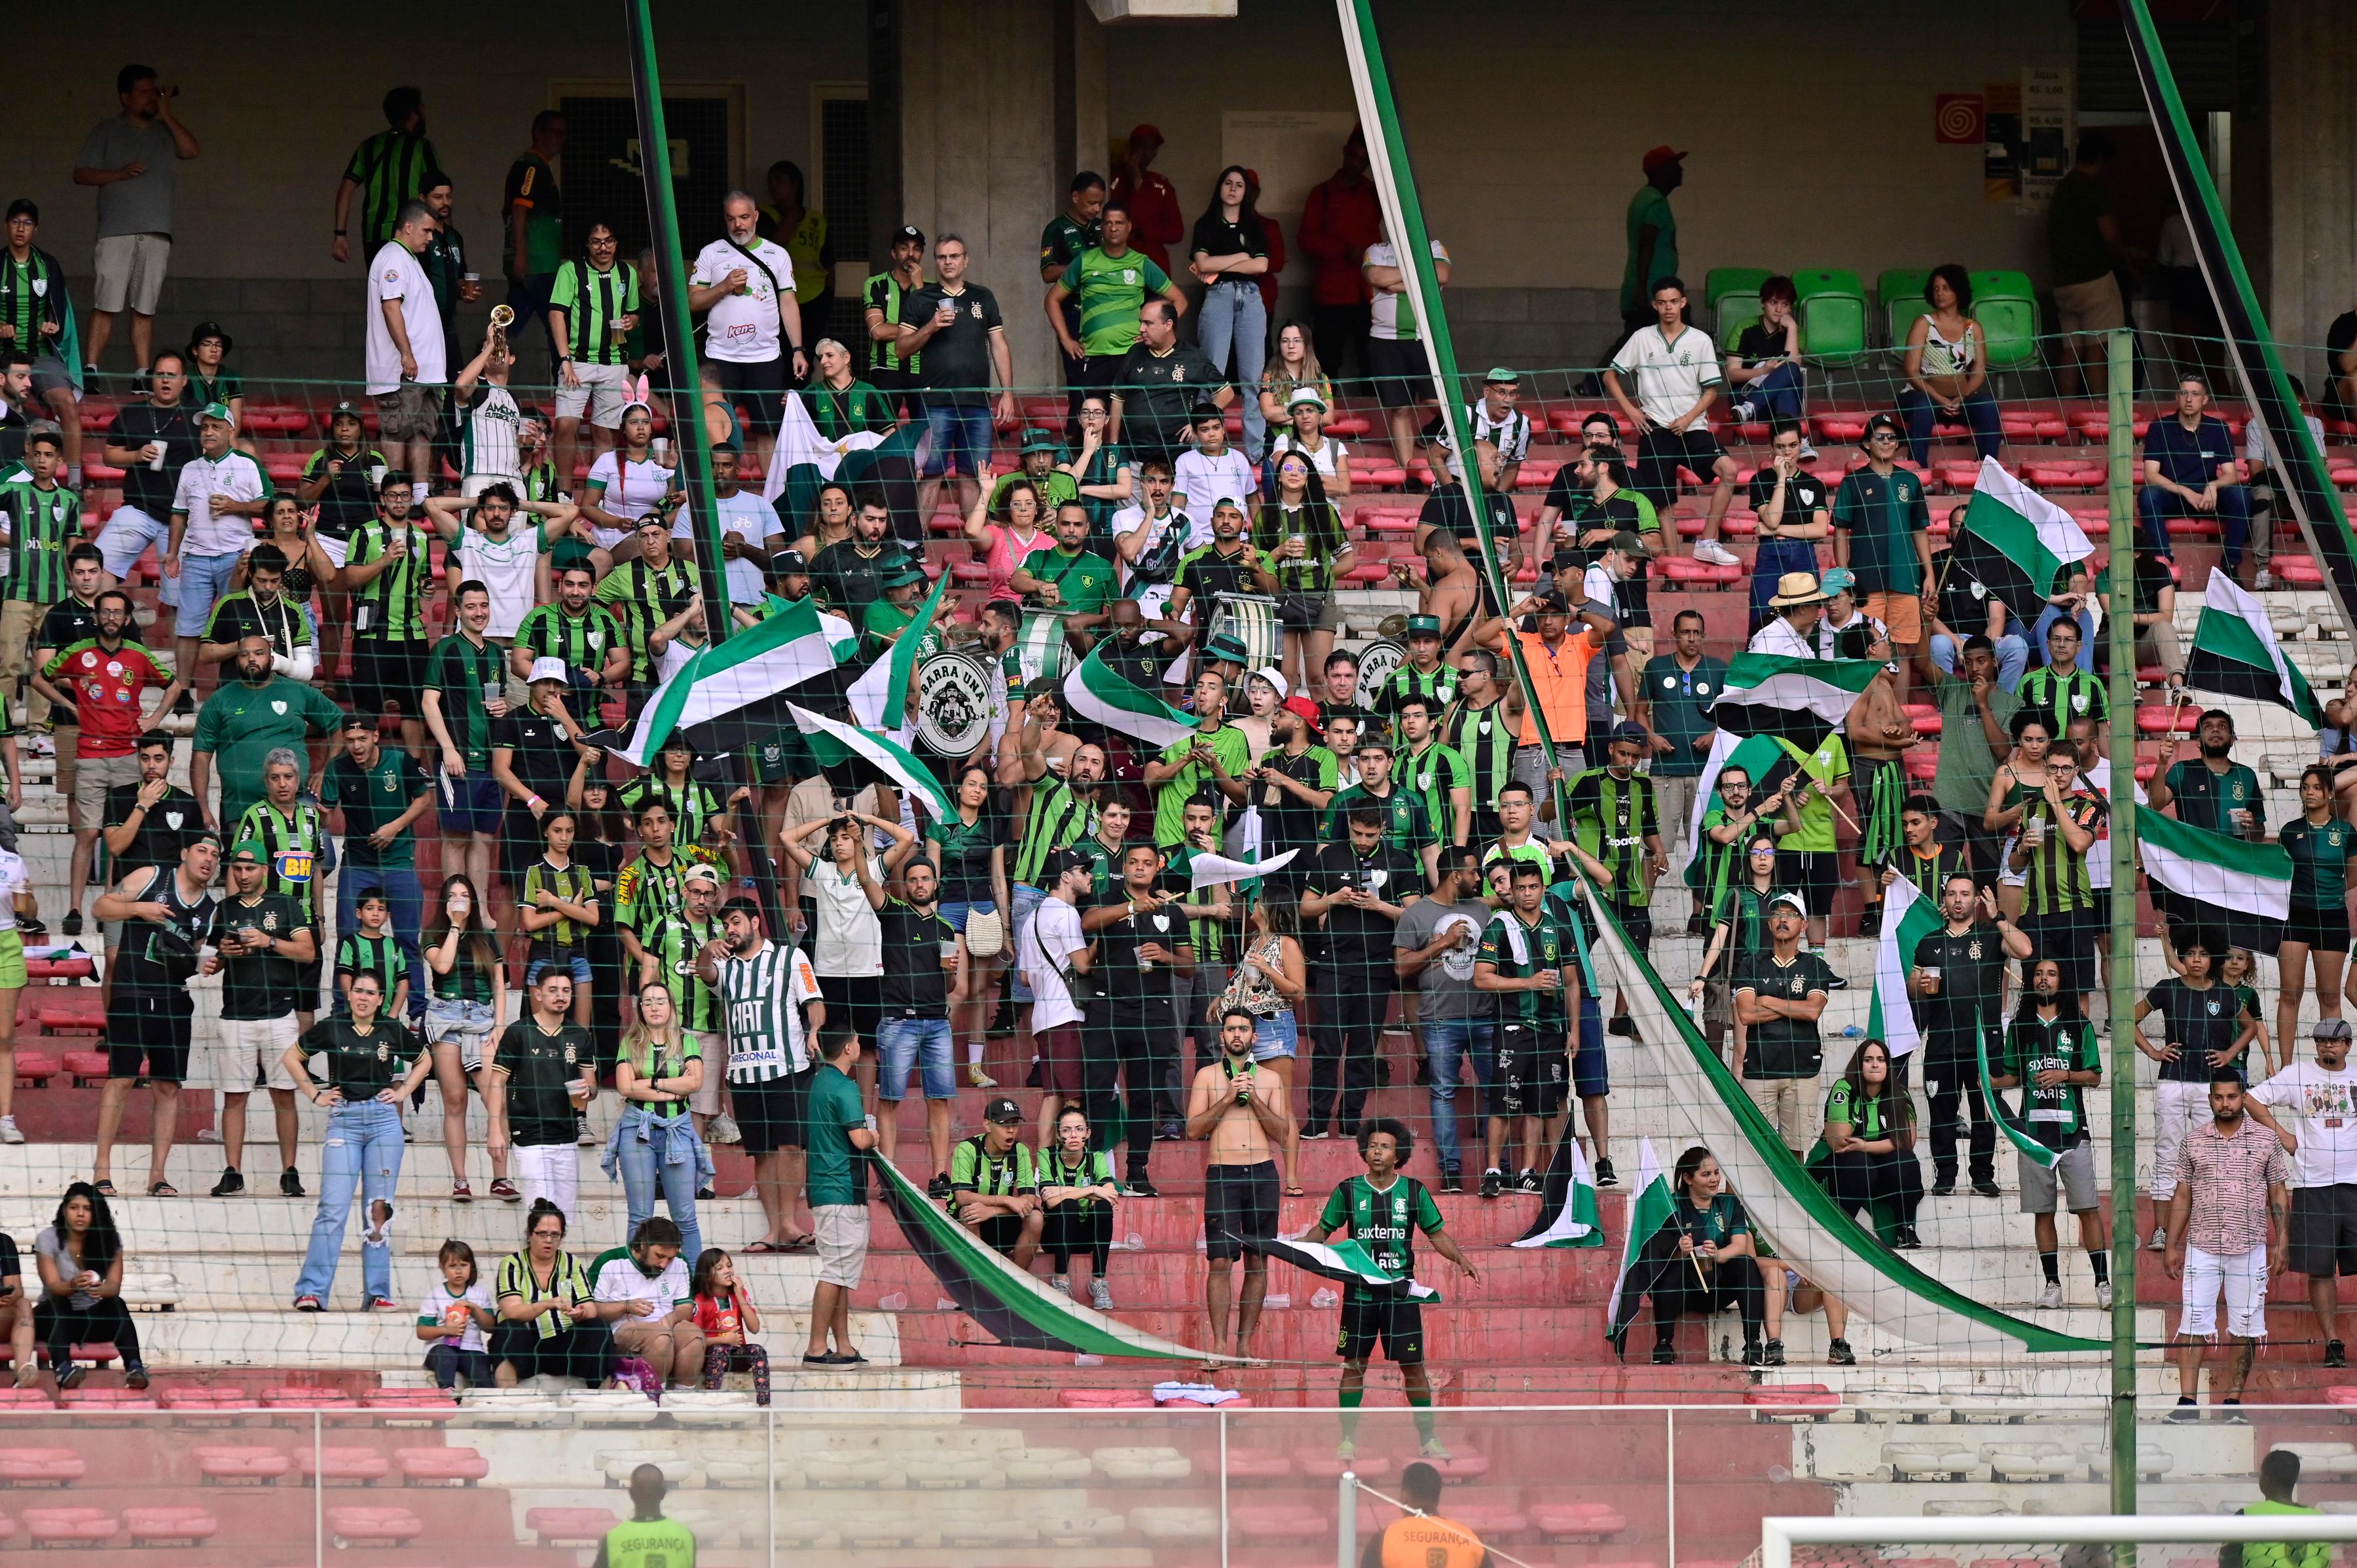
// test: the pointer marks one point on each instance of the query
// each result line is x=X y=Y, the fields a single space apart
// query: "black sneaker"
x=1493 y=1182
x=2334 y=1354
x=1942 y=1186
x=231 y=1183
x=1775 y=1354
x=1623 y=1025
x=1839 y=1354
x=1985 y=1188
x=1870 y=920
x=186 y=705
x=1906 y=1241
x=1665 y=1355
x=2185 y=1410
x=1139 y=1186
x=290 y=1184
x=1450 y=1181
x=939 y=1186
x=1605 y=1175
x=1169 y=1132
x=31 y=932
x=1528 y=1181
x=72 y=924
x=1754 y=1353
x=2234 y=1412
x=706 y=1194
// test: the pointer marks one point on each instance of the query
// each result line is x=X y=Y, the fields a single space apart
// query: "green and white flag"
x=880 y=697
x=883 y=753
x=2015 y=1132
x=2014 y=541
x=1567 y=1212
x=730 y=695
x=1097 y=692
x=1799 y=700
x=1649 y=1209
x=2236 y=652
x=1345 y=1260
x=1907 y=918
x=2231 y=889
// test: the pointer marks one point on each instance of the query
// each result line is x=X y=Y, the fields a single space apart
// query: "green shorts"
x=12 y=961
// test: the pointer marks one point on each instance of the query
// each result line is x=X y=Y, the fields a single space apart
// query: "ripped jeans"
x=362 y=1155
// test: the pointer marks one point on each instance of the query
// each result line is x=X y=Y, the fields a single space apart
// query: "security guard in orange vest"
x=1422 y=1538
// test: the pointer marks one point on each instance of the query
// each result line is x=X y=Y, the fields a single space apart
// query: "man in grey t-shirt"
x=1434 y=945
x=130 y=160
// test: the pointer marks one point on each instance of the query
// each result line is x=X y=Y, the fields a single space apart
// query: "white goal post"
x=1777 y=1536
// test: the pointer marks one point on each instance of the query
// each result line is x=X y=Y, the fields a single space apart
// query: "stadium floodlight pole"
x=695 y=449
x=1404 y=220
x=2120 y=787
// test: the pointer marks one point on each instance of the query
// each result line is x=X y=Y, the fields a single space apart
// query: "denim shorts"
x=911 y=1043
x=955 y=914
x=575 y=964
x=470 y=802
x=961 y=434
x=204 y=579
x=466 y=1025
x=1275 y=1036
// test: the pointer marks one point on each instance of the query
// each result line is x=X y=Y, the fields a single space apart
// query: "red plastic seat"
x=69 y=1527
x=441 y=1467
x=25 y=1399
x=36 y=1068
x=204 y=1397
x=1564 y=1520
x=79 y=966
x=180 y=1524
x=104 y=1401
x=1490 y=1520
x=1846 y=429
x=569 y=1527
x=295 y=1396
x=2064 y=476
x=1287 y=1523
x=1258 y=1465
x=1349 y=424
x=242 y=1464
x=40 y=1467
x=1105 y=1399
x=1378 y=476
x=1322 y=1463
x=361 y=1467
x=85 y=1068
x=351 y=1526
x=2181 y=719
x=2301 y=571
x=1792 y=1398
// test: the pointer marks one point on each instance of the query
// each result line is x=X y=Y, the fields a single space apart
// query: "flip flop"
x=804 y=1243
x=106 y=1189
x=766 y=1246
x=1295 y=1192
x=162 y=1189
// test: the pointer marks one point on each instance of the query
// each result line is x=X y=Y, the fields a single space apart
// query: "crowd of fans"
x=1432 y=839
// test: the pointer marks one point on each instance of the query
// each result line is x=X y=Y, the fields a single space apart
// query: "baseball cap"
x=1503 y=376
x=1797 y=904
x=1004 y=1112
x=1424 y=626
x=787 y=563
x=2330 y=1029
x=1063 y=861
x=1567 y=561
x=1835 y=579
x=220 y=411
x=1661 y=156
x=1882 y=421
x=700 y=872
x=1036 y=440
x=1276 y=681
x=546 y=669
x=251 y=849
x=908 y=231
x=347 y=409
x=1627 y=544
x=1044 y=686
x=1551 y=602
x=1628 y=730
x=1226 y=648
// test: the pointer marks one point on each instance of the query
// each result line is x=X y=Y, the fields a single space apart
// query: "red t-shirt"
x=106 y=689
x=717 y=1314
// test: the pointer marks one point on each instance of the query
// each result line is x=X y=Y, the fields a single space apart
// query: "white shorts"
x=246 y=1052
x=125 y=538
x=842 y=1231
x=2243 y=1276
x=706 y=1102
x=130 y=270
x=2006 y=877
x=602 y=392
x=335 y=550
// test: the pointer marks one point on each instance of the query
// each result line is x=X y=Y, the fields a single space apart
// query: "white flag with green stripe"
x=880 y=697
x=1650 y=1208
x=1907 y=918
x=895 y=760
x=1095 y=691
x=728 y=695
x=1799 y=700
x=2236 y=652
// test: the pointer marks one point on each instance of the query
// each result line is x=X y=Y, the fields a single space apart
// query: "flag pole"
x=2122 y=1001
x=695 y=449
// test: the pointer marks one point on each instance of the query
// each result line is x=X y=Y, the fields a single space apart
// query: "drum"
x=1041 y=646
x=1251 y=620
x=955 y=702
x=1378 y=661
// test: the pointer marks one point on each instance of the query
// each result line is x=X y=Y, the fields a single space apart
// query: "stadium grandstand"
x=1496 y=836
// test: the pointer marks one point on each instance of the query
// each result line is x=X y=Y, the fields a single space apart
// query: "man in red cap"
x=1652 y=237
x=1155 y=224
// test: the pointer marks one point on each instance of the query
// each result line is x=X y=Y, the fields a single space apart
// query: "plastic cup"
x=155 y=464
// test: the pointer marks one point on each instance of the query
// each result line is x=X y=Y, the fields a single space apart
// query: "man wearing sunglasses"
x=1882 y=533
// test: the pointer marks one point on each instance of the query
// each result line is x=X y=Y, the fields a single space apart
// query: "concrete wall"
x=2312 y=60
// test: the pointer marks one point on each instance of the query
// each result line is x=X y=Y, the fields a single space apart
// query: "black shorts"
x=308 y=976
x=1661 y=453
x=1814 y=875
x=2323 y=1230
x=1402 y=376
x=2325 y=931
x=1000 y=1232
x=770 y=1115
x=1635 y=922
x=150 y=1024
x=387 y=675
x=904 y=391
x=1534 y=1072
x=2070 y=940
x=1398 y=1324
x=1238 y=1201
x=759 y=388
x=856 y=1001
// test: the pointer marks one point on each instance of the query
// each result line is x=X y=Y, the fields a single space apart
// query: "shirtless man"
x=1041 y=746
x=1241 y=1109
x=1448 y=590
x=1879 y=734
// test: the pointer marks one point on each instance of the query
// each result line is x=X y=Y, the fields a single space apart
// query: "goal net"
x=2056 y=1541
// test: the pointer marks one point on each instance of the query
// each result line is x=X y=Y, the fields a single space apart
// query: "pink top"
x=1008 y=551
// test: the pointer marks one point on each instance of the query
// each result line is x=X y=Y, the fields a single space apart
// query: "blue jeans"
x=362 y=1154
x=1921 y=413
x=404 y=905
x=1450 y=1045
x=961 y=437
x=1026 y=901
x=1776 y=394
x=2012 y=657
x=1234 y=313
x=2156 y=505
x=658 y=1151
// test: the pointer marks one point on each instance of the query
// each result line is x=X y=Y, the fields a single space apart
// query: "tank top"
x=1007 y=553
x=162 y=953
x=1255 y=993
x=1943 y=357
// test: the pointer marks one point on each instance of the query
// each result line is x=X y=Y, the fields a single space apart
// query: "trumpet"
x=503 y=317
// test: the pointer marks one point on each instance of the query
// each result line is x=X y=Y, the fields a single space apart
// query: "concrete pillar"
x=979 y=154
x=2312 y=136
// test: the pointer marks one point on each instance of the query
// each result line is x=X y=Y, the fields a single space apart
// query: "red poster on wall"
x=1957 y=119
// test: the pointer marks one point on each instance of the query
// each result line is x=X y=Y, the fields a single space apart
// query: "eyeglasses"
x=1883 y=435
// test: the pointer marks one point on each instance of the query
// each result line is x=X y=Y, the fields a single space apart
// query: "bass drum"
x=954 y=703
x=1378 y=661
x=1251 y=620
x=1041 y=646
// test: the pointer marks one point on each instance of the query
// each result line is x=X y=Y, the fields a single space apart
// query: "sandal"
x=105 y=1188
x=1295 y=1192
x=802 y=1243
x=162 y=1189
x=766 y=1246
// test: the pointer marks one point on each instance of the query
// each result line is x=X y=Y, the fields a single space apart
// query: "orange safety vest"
x=1431 y=1542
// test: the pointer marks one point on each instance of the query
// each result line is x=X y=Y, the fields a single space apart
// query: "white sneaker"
x=724 y=1130
x=9 y=1133
x=1743 y=409
x=208 y=1135
x=1059 y=1284
x=1808 y=453
x=979 y=1079
x=1100 y=1296
x=2103 y=1295
x=2159 y=1239
x=2051 y=1296
x=1712 y=553
x=2262 y=581
x=41 y=745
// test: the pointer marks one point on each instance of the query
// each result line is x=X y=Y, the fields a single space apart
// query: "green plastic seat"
x=2006 y=307
x=1733 y=296
x=1900 y=289
x=1832 y=314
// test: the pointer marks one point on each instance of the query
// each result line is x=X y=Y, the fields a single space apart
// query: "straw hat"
x=1795 y=588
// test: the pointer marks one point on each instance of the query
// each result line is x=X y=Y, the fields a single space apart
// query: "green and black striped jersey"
x=694 y=806
x=1432 y=774
x=571 y=883
x=463 y=673
x=1484 y=737
x=1930 y=872
x=643 y=599
x=1517 y=948
x=291 y=843
x=2055 y=882
x=357 y=952
x=390 y=168
x=1613 y=818
x=673 y=941
x=582 y=640
x=42 y=524
x=1057 y=818
x=1436 y=686
x=2063 y=695
x=593 y=302
x=391 y=603
x=882 y=292
x=646 y=890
